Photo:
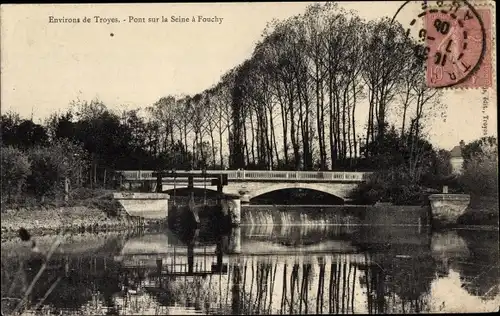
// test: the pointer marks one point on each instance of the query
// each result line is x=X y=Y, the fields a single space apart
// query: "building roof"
x=456 y=152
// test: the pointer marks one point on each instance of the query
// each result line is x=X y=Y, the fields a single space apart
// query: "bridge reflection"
x=341 y=271
x=269 y=277
x=248 y=284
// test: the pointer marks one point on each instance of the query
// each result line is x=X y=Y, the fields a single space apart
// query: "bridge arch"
x=331 y=189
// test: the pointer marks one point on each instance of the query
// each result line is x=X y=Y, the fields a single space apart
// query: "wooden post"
x=219 y=184
x=190 y=253
x=236 y=290
x=104 y=181
x=219 y=253
x=66 y=189
x=159 y=182
x=159 y=266
x=190 y=182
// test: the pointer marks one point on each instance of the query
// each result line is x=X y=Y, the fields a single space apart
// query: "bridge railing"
x=263 y=175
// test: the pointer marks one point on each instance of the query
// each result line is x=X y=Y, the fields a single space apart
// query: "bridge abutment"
x=231 y=207
x=146 y=205
x=245 y=199
x=234 y=241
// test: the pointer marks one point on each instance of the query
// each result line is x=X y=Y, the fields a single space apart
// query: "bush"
x=15 y=169
x=73 y=157
x=47 y=172
x=51 y=165
x=392 y=185
x=480 y=175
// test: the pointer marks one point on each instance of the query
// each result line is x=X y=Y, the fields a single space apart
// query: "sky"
x=44 y=66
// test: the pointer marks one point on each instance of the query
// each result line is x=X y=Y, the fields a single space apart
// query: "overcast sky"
x=46 y=65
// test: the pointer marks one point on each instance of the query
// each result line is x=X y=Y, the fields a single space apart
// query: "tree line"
x=292 y=105
x=295 y=104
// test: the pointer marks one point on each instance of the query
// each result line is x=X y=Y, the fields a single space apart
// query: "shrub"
x=51 y=165
x=480 y=175
x=73 y=157
x=393 y=185
x=47 y=172
x=15 y=169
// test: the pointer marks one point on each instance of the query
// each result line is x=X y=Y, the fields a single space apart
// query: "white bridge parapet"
x=262 y=175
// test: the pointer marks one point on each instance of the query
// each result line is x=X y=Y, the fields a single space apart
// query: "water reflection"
x=262 y=270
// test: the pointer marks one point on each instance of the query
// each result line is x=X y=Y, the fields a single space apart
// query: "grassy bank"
x=40 y=221
x=86 y=211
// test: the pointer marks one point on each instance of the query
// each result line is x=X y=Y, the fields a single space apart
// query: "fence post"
x=159 y=182
x=66 y=189
x=445 y=189
x=243 y=174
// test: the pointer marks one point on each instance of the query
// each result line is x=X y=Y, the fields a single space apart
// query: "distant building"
x=456 y=160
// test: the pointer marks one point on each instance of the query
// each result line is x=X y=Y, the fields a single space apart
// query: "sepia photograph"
x=270 y=158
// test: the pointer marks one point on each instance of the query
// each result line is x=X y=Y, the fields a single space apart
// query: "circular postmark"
x=451 y=38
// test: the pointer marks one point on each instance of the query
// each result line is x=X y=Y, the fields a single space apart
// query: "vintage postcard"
x=335 y=157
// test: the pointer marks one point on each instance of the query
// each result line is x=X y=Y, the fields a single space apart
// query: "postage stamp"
x=460 y=49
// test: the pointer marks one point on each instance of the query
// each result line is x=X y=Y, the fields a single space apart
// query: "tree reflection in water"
x=480 y=272
x=396 y=279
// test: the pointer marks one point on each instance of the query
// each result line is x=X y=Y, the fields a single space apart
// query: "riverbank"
x=97 y=211
x=482 y=211
x=51 y=220
x=86 y=211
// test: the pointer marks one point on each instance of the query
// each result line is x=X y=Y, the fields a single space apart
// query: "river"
x=311 y=269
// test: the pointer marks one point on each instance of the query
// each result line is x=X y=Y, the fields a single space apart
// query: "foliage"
x=178 y=157
x=400 y=181
x=15 y=169
x=291 y=105
x=9 y=121
x=442 y=164
x=477 y=147
x=405 y=169
x=480 y=174
x=47 y=171
x=390 y=185
x=22 y=133
x=73 y=157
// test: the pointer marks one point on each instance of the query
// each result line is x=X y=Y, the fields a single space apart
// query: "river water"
x=312 y=269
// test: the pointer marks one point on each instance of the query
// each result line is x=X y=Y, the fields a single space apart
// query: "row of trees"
x=295 y=103
x=318 y=92
x=84 y=145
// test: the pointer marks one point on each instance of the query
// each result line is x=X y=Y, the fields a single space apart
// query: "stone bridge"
x=252 y=183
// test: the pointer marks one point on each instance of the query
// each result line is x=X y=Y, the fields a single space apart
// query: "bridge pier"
x=234 y=241
x=231 y=207
x=245 y=199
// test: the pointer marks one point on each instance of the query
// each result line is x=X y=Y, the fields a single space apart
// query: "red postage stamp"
x=460 y=48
